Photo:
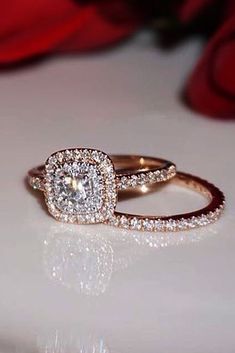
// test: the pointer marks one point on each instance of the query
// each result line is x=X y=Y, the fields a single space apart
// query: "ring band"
x=179 y=222
x=131 y=171
x=80 y=185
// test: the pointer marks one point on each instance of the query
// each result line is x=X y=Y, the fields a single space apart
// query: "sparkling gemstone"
x=78 y=188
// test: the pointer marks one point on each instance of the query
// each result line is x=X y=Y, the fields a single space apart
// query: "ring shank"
x=125 y=164
x=204 y=216
x=131 y=171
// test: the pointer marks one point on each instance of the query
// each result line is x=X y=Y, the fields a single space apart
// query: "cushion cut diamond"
x=80 y=186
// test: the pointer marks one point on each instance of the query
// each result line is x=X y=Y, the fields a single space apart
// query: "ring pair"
x=81 y=186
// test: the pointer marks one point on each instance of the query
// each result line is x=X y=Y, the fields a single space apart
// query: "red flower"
x=30 y=28
x=211 y=88
x=189 y=9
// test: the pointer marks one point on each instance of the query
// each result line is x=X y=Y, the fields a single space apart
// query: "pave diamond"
x=149 y=177
x=165 y=224
x=80 y=186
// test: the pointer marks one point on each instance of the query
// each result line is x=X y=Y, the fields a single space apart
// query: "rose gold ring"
x=178 y=222
x=131 y=171
x=80 y=185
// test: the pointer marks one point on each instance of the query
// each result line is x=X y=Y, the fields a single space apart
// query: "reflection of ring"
x=85 y=259
x=78 y=260
x=76 y=341
x=80 y=185
x=202 y=217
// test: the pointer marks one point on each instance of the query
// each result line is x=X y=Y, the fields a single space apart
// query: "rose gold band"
x=131 y=171
x=204 y=216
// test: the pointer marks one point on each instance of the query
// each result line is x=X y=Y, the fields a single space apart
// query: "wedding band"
x=131 y=171
x=178 y=222
x=80 y=185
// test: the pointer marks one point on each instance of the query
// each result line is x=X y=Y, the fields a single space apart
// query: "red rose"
x=30 y=28
x=211 y=88
x=189 y=9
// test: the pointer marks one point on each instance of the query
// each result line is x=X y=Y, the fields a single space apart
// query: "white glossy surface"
x=93 y=288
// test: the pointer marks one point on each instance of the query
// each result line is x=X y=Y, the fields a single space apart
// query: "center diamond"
x=78 y=188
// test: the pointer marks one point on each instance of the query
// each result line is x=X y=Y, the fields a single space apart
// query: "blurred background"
x=32 y=31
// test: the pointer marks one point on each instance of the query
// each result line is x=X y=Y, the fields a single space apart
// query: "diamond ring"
x=80 y=185
x=178 y=222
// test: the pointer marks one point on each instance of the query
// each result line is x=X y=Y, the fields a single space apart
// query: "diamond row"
x=163 y=224
x=149 y=177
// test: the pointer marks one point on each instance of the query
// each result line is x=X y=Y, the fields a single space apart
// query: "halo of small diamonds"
x=79 y=186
